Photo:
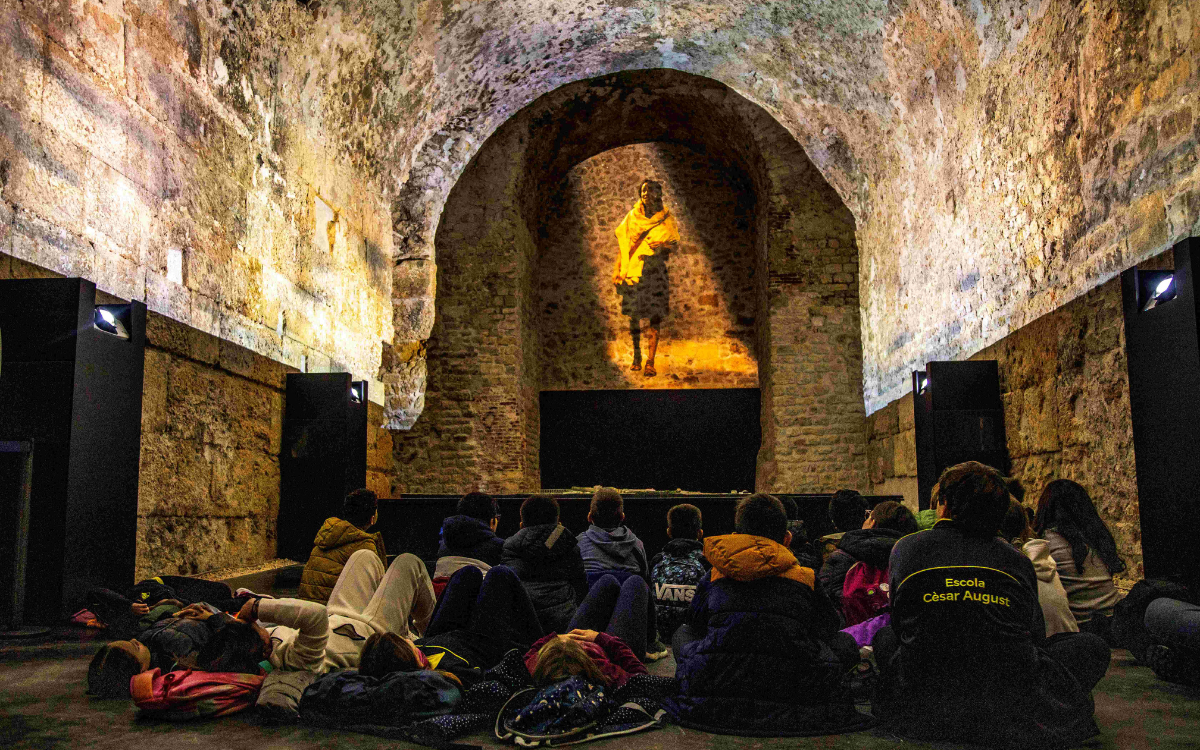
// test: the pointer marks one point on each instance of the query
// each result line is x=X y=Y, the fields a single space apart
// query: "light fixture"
x=113 y=320
x=920 y=382
x=358 y=391
x=1156 y=287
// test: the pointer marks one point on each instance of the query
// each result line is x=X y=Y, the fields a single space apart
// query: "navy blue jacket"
x=753 y=657
x=546 y=558
x=969 y=667
x=464 y=536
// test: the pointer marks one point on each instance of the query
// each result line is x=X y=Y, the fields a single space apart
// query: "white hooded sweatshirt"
x=1051 y=594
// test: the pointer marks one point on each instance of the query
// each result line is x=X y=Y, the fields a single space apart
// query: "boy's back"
x=674 y=575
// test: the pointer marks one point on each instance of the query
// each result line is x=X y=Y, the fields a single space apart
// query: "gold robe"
x=638 y=237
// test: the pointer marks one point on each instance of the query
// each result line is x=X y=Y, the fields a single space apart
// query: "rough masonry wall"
x=1001 y=157
x=212 y=421
x=479 y=424
x=172 y=153
x=707 y=340
x=1065 y=389
x=479 y=429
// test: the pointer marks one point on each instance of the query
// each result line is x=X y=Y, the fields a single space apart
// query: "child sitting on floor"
x=678 y=569
x=545 y=556
x=759 y=651
x=337 y=540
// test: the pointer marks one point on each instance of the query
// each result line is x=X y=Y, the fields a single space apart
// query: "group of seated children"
x=976 y=634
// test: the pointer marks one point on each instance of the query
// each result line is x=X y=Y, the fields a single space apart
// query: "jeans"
x=495 y=605
x=618 y=609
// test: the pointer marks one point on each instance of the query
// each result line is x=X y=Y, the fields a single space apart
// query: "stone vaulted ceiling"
x=1000 y=156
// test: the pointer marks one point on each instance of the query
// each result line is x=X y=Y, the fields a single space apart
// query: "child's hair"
x=684 y=521
x=1066 y=508
x=607 y=509
x=538 y=510
x=1015 y=488
x=761 y=515
x=359 y=507
x=384 y=653
x=847 y=510
x=892 y=515
x=562 y=657
x=233 y=646
x=790 y=508
x=975 y=496
x=111 y=669
x=1015 y=525
x=478 y=505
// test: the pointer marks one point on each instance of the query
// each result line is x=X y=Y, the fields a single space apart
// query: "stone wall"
x=1065 y=390
x=707 y=340
x=212 y=421
x=170 y=153
x=484 y=364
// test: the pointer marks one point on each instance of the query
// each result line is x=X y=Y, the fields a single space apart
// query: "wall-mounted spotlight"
x=358 y=391
x=1155 y=288
x=920 y=382
x=113 y=320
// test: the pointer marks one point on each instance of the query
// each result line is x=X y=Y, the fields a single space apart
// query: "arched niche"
x=480 y=425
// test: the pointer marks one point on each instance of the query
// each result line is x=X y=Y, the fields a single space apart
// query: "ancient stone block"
x=905 y=454
x=244 y=483
x=175 y=476
x=21 y=58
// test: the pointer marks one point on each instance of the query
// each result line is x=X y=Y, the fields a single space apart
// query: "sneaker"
x=655 y=651
x=1170 y=665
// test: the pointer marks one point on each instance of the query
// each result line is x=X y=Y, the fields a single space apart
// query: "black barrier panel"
x=699 y=440
x=411 y=524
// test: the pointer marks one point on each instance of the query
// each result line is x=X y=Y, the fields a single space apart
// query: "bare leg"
x=651 y=347
x=635 y=334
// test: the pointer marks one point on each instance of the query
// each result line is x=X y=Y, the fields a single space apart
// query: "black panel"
x=77 y=392
x=16 y=474
x=324 y=456
x=411 y=523
x=959 y=416
x=698 y=440
x=1163 y=353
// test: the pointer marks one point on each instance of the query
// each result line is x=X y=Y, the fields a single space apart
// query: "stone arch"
x=480 y=403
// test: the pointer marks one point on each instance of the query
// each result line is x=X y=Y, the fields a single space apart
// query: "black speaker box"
x=958 y=417
x=324 y=454
x=1162 y=348
x=71 y=382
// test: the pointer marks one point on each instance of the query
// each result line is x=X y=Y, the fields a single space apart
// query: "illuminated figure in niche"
x=645 y=236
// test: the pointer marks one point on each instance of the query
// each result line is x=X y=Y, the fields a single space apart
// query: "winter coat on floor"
x=607 y=550
x=610 y=653
x=969 y=668
x=546 y=558
x=464 y=536
x=872 y=546
x=759 y=664
x=335 y=542
x=1051 y=595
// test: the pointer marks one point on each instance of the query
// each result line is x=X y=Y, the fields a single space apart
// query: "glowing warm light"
x=1163 y=285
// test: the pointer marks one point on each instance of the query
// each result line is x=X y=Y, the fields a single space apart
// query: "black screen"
x=698 y=440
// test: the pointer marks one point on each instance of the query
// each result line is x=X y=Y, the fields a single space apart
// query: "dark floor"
x=42 y=705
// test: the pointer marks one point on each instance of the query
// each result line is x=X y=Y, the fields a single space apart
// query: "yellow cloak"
x=638 y=237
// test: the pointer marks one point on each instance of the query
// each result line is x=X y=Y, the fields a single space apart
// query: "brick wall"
x=1065 y=390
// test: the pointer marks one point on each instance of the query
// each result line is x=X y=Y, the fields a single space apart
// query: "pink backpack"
x=189 y=694
x=865 y=593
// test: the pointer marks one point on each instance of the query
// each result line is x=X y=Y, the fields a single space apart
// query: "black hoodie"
x=465 y=536
x=547 y=560
x=872 y=546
